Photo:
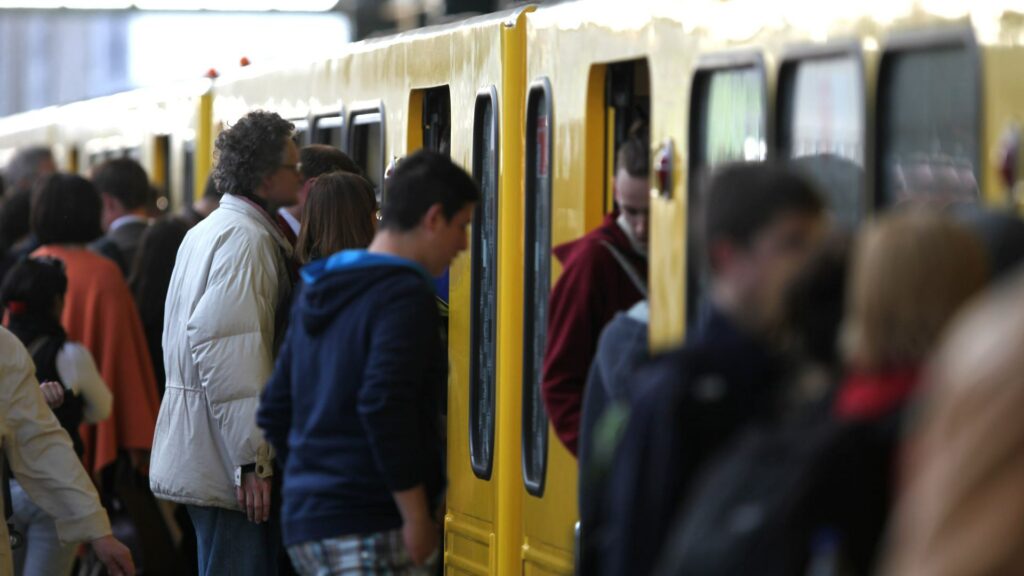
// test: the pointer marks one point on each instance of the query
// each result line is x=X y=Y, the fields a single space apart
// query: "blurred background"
x=58 y=51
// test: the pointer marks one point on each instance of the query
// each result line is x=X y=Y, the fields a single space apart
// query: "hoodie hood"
x=332 y=283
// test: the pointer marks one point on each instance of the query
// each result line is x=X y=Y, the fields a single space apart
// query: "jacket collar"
x=245 y=207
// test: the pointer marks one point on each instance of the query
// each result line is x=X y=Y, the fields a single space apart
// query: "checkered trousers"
x=380 y=554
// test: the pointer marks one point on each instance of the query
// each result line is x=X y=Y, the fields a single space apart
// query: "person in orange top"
x=99 y=313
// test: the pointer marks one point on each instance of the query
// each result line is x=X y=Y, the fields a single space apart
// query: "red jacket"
x=592 y=288
x=867 y=395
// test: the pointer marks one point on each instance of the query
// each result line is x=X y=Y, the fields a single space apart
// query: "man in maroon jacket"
x=603 y=272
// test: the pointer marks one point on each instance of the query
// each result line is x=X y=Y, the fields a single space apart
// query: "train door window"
x=366 y=144
x=627 y=109
x=161 y=173
x=437 y=119
x=537 y=285
x=301 y=136
x=327 y=130
x=822 y=129
x=928 y=124
x=728 y=123
x=484 y=307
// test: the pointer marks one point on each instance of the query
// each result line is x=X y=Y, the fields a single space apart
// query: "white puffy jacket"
x=230 y=279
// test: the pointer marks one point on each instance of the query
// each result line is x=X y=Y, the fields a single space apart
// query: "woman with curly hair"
x=228 y=295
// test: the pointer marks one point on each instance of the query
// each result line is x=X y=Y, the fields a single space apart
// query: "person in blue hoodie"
x=353 y=407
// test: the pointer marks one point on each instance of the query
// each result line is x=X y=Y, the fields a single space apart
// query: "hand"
x=53 y=392
x=420 y=537
x=254 y=497
x=114 y=555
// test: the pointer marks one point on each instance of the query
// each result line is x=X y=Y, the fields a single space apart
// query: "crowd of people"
x=257 y=385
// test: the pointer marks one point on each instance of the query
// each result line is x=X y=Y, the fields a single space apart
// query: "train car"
x=33 y=128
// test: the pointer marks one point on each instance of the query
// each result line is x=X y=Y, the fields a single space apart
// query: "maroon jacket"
x=592 y=288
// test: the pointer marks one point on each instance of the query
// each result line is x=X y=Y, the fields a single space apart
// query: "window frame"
x=302 y=131
x=333 y=115
x=363 y=114
x=534 y=483
x=902 y=42
x=483 y=470
x=790 y=61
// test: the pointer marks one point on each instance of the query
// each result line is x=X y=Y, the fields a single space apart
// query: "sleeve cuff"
x=83 y=528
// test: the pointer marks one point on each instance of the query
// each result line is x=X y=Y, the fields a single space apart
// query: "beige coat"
x=41 y=456
x=230 y=280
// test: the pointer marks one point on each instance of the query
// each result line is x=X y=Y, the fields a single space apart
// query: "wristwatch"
x=262 y=471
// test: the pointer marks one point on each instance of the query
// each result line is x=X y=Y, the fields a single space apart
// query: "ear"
x=721 y=255
x=434 y=218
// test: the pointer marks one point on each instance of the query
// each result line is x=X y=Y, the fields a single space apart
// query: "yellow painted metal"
x=205 y=137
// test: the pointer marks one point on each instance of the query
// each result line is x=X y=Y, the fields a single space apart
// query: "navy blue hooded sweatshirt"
x=353 y=407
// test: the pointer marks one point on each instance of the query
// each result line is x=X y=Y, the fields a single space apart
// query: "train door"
x=626 y=111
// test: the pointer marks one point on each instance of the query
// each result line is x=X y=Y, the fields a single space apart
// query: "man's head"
x=632 y=184
x=66 y=209
x=316 y=160
x=761 y=222
x=124 y=188
x=257 y=157
x=28 y=166
x=431 y=200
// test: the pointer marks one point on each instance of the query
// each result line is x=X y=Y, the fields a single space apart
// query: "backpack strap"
x=639 y=283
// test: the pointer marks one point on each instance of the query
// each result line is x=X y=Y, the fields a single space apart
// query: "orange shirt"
x=100 y=313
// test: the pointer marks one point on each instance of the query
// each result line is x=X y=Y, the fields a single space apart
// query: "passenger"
x=153 y=265
x=314 y=161
x=33 y=295
x=28 y=167
x=99 y=313
x=340 y=214
x=40 y=455
x=961 y=501
x=605 y=272
x=124 y=188
x=16 y=240
x=205 y=206
x=761 y=222
x=225 y=317
x=621 y=350
x=1001 y=232
x=353 y=407
x=912 y=272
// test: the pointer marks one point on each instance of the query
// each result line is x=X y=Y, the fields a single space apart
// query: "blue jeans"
x=229 y=545
x=42 y=552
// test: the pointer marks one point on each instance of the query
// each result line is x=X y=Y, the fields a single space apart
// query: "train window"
x=366 y=144
x=728 y=123
x=821 y=127
x=301 y=136
x=327 y=130
x=537 y=282
x=928 y=125
x=437 y=119
x=484 y=307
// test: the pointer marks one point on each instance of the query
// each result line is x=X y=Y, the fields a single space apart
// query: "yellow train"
x=880 y=98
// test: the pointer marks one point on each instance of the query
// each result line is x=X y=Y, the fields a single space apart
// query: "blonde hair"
x=911 y=272
x=338 y=215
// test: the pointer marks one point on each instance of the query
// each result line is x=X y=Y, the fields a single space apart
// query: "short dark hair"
x=250 y=151
x=320 y=159
x=124 y=179
x=633 y=154
x=35 y=283
x=420 y=181
x=66 y=209
x=743 y=199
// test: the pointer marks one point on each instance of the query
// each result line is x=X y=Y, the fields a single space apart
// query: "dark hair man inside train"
x=354 y=405
x=761 y=222
x=604 y=272
x=124 y=187
x=225 y=311
x=314 y=160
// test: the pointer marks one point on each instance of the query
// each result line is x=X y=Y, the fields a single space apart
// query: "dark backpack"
x=781 y=497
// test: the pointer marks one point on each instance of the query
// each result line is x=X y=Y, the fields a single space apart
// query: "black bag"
x=781 y=494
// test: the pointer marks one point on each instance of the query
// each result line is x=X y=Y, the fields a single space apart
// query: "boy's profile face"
x=447 y=238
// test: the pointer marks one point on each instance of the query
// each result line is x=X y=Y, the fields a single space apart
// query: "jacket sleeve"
x=574 y=325
x=275 y=412
x=404 y=333
x=230 y=335
x=75 y=366
x=40 y=453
